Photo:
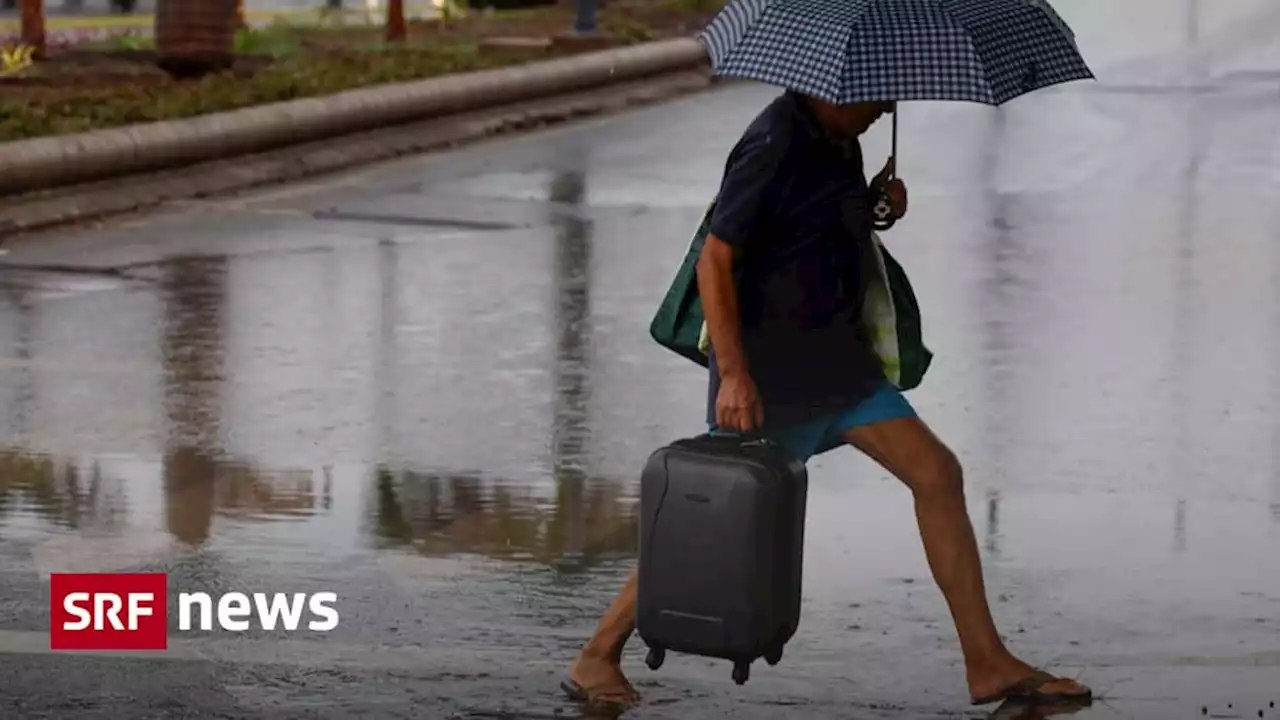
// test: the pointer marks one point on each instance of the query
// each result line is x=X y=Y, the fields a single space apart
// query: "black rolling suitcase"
x=721 y=548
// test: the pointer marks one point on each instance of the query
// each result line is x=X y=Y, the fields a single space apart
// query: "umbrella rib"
x=750 y=27
x=846 y=70
x=982 y=62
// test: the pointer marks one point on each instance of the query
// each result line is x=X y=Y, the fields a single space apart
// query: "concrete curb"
x=49 y=162
x=42 y=211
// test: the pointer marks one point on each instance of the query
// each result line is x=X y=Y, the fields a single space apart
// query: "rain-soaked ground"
x=428 y=387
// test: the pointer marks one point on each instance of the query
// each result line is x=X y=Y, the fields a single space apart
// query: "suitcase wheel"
x=655 y=658
x=773 y=656
x=741 y=671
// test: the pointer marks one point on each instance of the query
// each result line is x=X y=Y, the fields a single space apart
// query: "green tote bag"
x=890 y=311
x=678 y=324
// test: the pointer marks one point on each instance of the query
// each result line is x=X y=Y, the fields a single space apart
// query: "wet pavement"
x=428 y=386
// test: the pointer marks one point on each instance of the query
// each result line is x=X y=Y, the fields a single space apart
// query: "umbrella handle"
x=882 y=214
x=894 y=152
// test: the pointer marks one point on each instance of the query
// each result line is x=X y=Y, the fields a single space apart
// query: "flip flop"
x=1028 y=689
x=576 y=693
x=1019 y=709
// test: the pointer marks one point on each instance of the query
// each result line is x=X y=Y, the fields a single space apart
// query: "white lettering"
x=280 y=605
x=107 y=605
x=227 y=613
x=71 y=604
x=319 y=606
x=235 y=611
x=136 y=609
x=185 y=601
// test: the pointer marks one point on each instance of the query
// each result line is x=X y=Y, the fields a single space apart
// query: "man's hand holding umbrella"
x=892 y=189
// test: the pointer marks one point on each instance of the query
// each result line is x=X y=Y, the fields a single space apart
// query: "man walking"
x=789 y=359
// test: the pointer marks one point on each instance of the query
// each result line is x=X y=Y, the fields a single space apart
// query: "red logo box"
x=108 y=611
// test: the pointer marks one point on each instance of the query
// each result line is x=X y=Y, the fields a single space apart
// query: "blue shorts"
x=824 y=432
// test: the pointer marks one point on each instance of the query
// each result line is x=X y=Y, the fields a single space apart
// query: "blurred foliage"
x=627 y=29
x=287 y=79
x=16 y=58
x=111 y=81
x=693 y=6
x=276 y=40
x=130 y=41
x=451 y=10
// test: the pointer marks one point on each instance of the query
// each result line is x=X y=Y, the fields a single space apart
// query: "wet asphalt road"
x=428 y=386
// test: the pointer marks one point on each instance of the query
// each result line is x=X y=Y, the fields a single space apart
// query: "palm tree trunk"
x=396 y=30
x=195 y=37
x=33 y=25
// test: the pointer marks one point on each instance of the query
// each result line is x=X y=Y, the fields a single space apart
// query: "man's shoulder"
x=778 y=116
x=768 y=137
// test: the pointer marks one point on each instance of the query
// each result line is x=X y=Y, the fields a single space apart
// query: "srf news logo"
x=129 y=611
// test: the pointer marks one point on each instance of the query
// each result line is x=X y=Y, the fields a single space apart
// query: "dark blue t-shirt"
x=794 y=202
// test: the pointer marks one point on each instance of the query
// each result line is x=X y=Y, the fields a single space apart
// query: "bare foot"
x=1013 y=677
x=599 y=681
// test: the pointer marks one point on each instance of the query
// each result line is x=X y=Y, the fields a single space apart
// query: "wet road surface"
x=428 y=387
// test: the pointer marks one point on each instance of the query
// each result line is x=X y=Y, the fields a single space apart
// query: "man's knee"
x=909 y=449
x=935 y=472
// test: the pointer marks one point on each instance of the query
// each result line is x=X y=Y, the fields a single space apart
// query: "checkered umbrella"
x=846 y=51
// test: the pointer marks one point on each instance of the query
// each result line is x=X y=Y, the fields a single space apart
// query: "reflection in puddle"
x=582 y=522
x=64 y=493
x=112 y=494
x=440 y=515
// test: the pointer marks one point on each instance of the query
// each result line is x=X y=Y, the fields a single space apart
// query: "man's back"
x=795 y=204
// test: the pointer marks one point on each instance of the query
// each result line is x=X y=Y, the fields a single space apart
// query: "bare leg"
x=598 y=669
x=909 y=450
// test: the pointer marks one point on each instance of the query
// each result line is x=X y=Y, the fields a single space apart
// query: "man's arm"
x=720 y=305
x=735 y=228
x=738 y=404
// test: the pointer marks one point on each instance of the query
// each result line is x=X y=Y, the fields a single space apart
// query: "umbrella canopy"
x=847 y=51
